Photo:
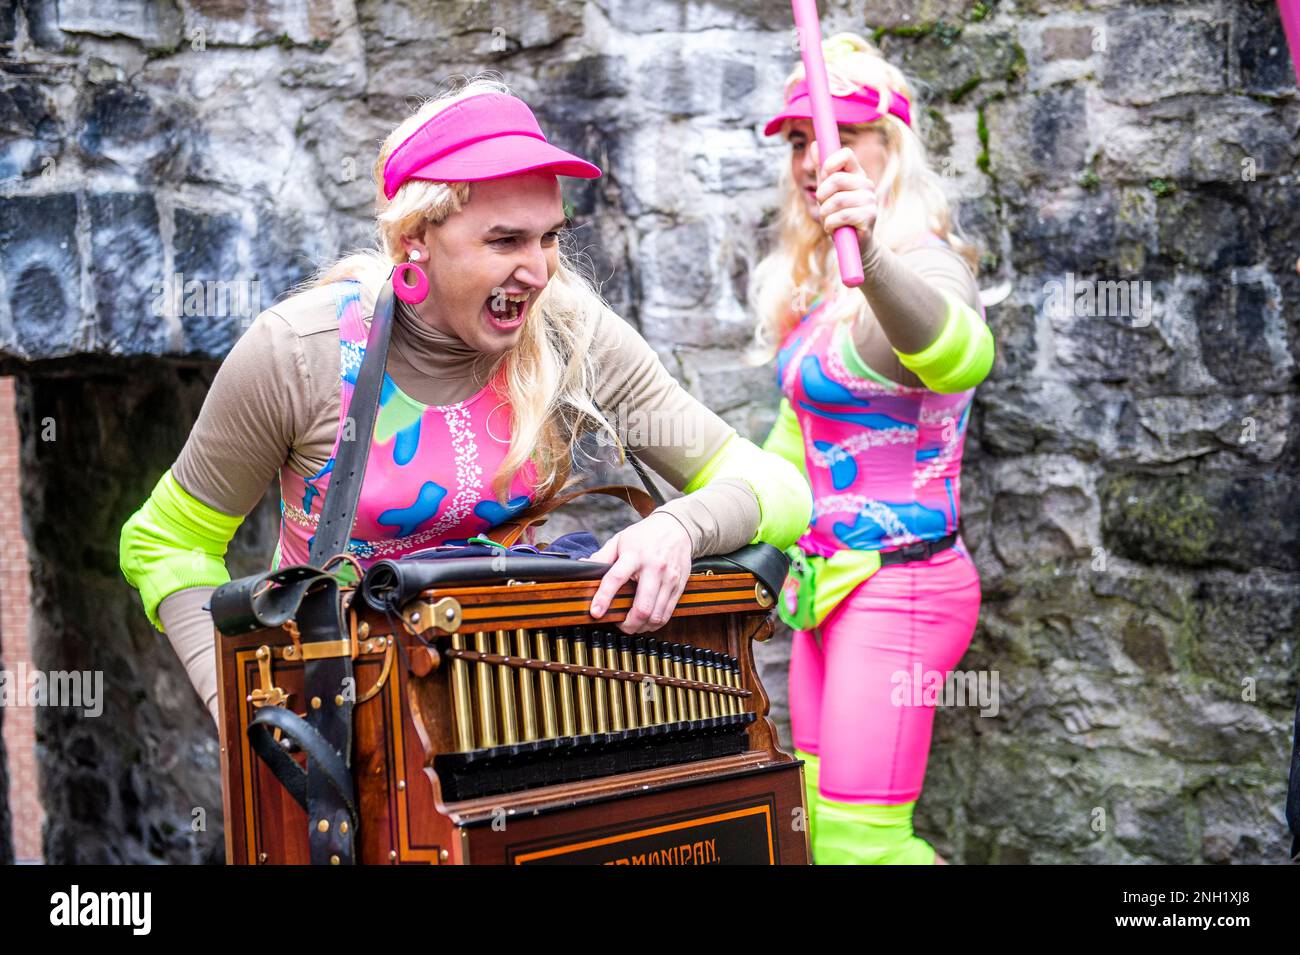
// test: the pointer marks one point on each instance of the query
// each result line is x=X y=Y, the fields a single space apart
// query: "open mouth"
x=506 y=312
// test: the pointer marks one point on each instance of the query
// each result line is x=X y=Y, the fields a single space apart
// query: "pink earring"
x=410 y=284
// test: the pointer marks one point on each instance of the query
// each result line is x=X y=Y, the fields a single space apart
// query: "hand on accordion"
x=656 y=553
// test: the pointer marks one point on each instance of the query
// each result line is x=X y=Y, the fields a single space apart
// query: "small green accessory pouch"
x=816 y=585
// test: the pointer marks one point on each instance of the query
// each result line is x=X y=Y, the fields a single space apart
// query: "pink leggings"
x=843 y=686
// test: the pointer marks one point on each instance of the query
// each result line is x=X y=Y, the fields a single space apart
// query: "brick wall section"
x=15 y=607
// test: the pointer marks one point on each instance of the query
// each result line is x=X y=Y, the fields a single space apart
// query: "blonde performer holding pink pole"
x=870 y=307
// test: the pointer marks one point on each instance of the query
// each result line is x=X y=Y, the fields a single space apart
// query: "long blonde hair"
x=549 y=376
x=911 y=204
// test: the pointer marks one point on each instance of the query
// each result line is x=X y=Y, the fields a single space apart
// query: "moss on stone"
x=1019 y=63
x=1162 y=187
x=956 y=95
x=948 y=33
x=982 y=130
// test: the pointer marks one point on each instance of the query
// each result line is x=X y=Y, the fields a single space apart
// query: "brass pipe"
x=599 y=687
x=691 y=672
x=527 y=702
x=487 y=708
x=568 y=712
x=705 y=675
x=658 y=698
x=679 y=671
x=662 y=664
x=461 y=706
x=704 y=667
x=629 y=688
x=508 y=732
x=645 y=694
x=586 y=725
x=733 y=674
x=717 y=701
x=546 y=688
x=616 y=723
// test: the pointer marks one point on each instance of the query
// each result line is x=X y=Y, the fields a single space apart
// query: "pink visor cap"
x=860 y=106
x=487 y=136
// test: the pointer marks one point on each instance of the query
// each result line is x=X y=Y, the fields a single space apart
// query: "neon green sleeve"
x=784 y=498
x=960 y=358
x=173 y=542
x=786 y=439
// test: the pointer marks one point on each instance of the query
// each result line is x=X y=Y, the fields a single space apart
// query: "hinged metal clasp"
x=267 y=693
x=442 y=614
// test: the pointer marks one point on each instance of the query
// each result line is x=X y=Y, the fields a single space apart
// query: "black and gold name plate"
x=722 y=835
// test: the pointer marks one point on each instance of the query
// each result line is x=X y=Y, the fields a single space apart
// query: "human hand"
x=656 y=553
x=846 y=196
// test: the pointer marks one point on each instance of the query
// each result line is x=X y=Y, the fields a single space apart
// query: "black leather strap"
x=639 y=468
x=340 y=508
x=263 y=600
x=309 y=596
x=921 y=550
x=319 y=754
x=764 y=561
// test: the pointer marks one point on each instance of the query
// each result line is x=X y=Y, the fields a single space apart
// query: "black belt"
x=921 y=550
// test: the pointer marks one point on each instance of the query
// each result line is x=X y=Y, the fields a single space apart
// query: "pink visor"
x=486 y=136
x=860 y=106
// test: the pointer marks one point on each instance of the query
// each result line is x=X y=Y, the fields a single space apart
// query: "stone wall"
x=1130 y=488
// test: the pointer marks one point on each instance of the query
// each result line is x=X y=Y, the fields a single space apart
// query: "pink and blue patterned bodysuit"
x=429 y=471
x=884 y=463
x=883 y=459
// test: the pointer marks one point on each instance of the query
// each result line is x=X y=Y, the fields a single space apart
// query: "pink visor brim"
x=485 y=136
x=847 y=113
x=503 y=156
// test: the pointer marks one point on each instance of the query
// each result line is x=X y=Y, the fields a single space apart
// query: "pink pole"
x=1290 y=10
x=826 y=129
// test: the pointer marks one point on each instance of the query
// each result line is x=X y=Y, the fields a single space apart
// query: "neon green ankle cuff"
x=868 y=834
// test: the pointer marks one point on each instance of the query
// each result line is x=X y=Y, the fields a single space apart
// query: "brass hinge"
x=442 y=614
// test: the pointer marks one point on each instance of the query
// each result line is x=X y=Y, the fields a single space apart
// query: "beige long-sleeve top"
x=275 y=401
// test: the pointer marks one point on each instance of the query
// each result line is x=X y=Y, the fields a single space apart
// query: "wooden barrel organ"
x=498 y=722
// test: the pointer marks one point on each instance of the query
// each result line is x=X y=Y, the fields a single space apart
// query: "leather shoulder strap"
x=340 y=508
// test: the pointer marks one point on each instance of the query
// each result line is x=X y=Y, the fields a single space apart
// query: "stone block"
x=1043 y=138
x=1202 y=520
x=30 y=139
x=1244 y=339
x=126 y=269
x=1151 y=54
x=948 y=65
x=1261 y=50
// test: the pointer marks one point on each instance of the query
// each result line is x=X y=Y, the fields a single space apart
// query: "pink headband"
x=860 y=106
x=486 y=136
